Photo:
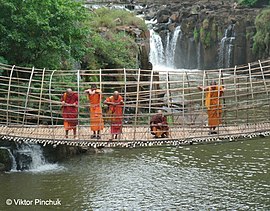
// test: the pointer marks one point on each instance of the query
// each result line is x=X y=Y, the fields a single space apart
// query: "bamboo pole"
x=203 y=92
x=235 y=90
x=150 y=93
x=125 y=92
x=78 y=90
x=50 y=100
x=183 y=105
x=168 y=93
x=137 y=103
x=265 y=86
x=41 y=93
x=219 y=84
x=27 y=94
x=251 y=89
x=8 y=93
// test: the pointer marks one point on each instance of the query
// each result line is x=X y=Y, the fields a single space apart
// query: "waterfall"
x=171 y=46
x=225 y=57
x=156 y=49
x=160 y=56
x=30 y=157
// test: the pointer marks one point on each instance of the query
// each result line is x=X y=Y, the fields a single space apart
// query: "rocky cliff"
x=214 y=34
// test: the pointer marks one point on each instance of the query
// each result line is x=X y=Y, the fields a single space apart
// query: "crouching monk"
x=70 y=111
x=159 y=125
x=213 y=105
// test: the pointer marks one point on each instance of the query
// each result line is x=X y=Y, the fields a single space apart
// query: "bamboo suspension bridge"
x=30 y=107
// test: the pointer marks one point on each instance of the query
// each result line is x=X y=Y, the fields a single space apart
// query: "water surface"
x=225 y=176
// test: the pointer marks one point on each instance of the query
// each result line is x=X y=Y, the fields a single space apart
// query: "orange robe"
x=70 y=113
x=117 y=114
x=96 y=119
x=213 y=104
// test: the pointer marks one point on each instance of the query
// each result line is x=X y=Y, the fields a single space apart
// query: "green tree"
x=49 y=33
x=261 y=44
x=254 y=3
x=112 y=44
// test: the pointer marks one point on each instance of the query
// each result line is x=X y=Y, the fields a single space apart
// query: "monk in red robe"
x=159 y=125
x=214 y=107
x=96 y=120
x=70 y=111
x=115 y=103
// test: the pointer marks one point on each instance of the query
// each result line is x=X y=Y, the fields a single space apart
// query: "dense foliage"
x=42 y=33
x=254 y=3
x=111 y=46
x=57 y=34
x=261 y=45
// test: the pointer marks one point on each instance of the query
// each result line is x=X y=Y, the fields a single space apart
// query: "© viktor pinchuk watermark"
x=33 y=202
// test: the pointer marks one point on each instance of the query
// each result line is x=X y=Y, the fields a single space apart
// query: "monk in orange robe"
x=70 y=111
x=115 y=103
x=213 y=105
x=96 y=120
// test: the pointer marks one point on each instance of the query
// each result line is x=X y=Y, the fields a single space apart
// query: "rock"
x=163 y=16
x=171 y=27
x=5 y=160
x=2 y=167
x=163 y=19
x=23 y=161
x=203 y=25
x=174 y=17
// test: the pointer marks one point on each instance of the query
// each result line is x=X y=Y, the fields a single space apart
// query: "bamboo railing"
x=30 y=107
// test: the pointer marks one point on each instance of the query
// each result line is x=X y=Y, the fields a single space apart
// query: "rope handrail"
x=30 y=98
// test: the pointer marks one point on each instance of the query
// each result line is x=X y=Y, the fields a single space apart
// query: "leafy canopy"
x=261 y=44
x=47 y=33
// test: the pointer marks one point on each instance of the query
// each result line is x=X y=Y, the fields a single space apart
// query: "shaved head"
x=69 y=90
x=213 y=83
x=115 y=95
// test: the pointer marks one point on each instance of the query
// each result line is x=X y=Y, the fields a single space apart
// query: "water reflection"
x=232 y=176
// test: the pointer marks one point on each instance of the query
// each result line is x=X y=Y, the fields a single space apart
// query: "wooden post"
x=50 y=99
x=183 y=104
x=41 y=93
x=8 y=96
x=168 y=94
x=78 y=91
x=235 y=90
x=203 y=93
x=150 y=93
x=265 y=87
x=27 y=94
x=219 y=84
x=251 y=89
x=125 y=92
x=137 y=104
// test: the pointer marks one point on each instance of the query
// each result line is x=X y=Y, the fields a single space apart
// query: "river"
x=223 y=176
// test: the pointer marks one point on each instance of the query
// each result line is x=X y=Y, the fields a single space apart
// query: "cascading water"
x=160 y=56
x=30 y=157
x=226 y=48
x=171 y=46
x=156 y=49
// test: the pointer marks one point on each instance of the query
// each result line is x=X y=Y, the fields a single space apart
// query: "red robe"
x=70 y=113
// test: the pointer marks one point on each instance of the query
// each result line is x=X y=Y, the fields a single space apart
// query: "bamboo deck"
x=30 y=108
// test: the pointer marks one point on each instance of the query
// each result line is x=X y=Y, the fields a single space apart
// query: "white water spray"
x=226 y=48
x=160 y=56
